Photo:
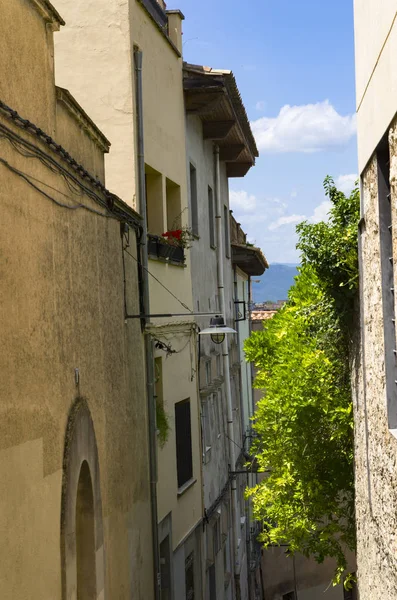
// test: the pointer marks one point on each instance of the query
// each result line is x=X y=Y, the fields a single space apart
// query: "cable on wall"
x=164 y=286
x=26 y=178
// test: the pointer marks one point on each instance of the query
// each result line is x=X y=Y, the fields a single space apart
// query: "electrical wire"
x=180 y=349
x=162 y=285
x=108 y=200
x=28 y=150
x=26 y=178
x=32 y=128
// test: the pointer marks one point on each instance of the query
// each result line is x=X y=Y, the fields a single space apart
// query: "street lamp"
x=217 y=330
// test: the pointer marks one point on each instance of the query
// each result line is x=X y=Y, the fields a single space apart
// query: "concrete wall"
x=205 y=293
x=26 y=63
x=62 y=308
x=94 y=62
x=97 y=53
x=313 y=581
x=376 y=61
x=186 y=509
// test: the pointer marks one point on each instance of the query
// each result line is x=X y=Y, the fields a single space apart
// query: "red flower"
x=177 y=234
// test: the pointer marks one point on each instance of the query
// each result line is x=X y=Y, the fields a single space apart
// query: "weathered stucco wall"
x=95 y=52
x=62 y=308
x=179 y=383
x=26 y=63
x=313 y=581
x=93 y=61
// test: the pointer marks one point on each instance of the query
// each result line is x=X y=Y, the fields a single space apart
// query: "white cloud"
x=346 y=183
x=306 y=128
x=240 y=201
x=321 y=212
x=288 y=220
x=260 y=105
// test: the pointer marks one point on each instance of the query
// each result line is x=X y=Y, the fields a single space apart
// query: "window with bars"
x=387 y=274
x=211 y=217
x=189 y=576
x=216 y=536
x=212 y=582
x=194 y=199
x=183 y=434
x=206 y=430
x=350 y=594
x=165 y=569
x=226 y=230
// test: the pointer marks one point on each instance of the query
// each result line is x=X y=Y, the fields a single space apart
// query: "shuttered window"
x=211 y=217
x=194 y=200
x=183 y=432
x=189 y=577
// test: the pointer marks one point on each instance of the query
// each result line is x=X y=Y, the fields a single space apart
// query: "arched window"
x=85 y=537
x=82 y=549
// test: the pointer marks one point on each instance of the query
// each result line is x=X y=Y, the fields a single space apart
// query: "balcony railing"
x=159 y=248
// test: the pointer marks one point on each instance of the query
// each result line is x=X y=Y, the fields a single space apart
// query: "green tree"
x=304 y=422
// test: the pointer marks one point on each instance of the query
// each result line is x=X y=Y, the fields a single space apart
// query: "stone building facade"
x=375 y=374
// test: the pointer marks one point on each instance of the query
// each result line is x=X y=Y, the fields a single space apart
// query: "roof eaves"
x=79 y=114
x=253 y=250
x=48 y=12
x=235 y=100
x=241 y=113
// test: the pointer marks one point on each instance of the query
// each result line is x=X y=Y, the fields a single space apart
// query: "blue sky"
x=294 y=65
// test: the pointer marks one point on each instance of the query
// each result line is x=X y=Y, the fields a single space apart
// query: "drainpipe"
x=148 y=340
x=225 y=353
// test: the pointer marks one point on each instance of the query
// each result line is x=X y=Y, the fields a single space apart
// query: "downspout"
x=148 y=340
x=225 y=353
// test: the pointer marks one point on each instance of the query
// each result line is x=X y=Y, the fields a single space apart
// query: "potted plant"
x=165 y=249
x=180 y=239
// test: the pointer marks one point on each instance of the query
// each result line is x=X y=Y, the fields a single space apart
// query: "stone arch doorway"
x=82 y=551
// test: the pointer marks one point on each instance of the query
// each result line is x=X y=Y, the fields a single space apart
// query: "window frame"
x=193 y=194
x=387 y=279
x=211 y=218
x=226 y=229
x=183 y=447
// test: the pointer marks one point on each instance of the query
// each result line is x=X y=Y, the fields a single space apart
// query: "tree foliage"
x=304 y=423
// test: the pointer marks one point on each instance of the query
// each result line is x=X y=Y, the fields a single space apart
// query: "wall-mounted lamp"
x=217 y=330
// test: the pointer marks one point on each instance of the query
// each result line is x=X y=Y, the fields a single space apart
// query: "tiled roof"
x=262 y=315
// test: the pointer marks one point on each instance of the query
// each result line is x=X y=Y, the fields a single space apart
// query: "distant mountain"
x=275 y=282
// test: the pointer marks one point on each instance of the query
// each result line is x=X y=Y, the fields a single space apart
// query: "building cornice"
x=79 y=115
x=160 y=19
x=48 y=13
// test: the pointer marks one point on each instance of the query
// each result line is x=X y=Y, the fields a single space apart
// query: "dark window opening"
x=226 y=230
x=194 y=200
x=189 y=576
x=165 y=569
x=212 y=582
x=211 y=217
x=184 y=458
x=289 y=596
x=387 y=273
x=85 y=537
